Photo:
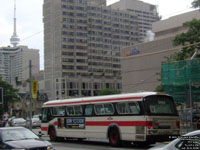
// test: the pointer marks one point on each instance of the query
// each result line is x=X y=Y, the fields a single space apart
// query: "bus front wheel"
x=52 y=134
x=114 y=138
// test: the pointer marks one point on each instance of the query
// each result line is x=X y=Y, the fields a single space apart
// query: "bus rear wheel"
x=114 y=138
x=52 y=134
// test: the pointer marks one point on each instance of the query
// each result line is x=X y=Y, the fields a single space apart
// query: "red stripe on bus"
x=55 y=123
x=89 y=101
x=120 y=123
x=44 y=128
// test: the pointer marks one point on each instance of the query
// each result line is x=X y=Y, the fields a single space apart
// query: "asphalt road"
x=90 y=145
x=94 y=144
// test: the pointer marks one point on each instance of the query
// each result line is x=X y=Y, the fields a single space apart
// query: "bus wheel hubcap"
x=113 y=137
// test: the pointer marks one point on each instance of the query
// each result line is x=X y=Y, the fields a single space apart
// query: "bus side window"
x=88 y=110
x=78 y=110
x=58 y=111
x=109 y=109
x=122 y=108
x=99 y=109
x=134 y=108
x=70 y=111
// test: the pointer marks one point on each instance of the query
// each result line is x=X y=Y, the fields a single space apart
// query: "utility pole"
x=30 y=87
x=190 y=87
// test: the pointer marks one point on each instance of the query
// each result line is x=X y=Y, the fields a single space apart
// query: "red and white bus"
x=142 y=118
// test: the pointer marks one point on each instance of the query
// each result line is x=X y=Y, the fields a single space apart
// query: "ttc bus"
x=141 y=118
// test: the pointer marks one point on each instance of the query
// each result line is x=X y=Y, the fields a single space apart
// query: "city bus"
x=140 y=118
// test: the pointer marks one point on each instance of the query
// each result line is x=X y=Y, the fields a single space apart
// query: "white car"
x=17 y=122
x=189 y=141
x=36 y=122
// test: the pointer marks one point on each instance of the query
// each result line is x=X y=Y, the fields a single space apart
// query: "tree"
x=196 y=4
x=191 y=37
x=17 y=81
x=9 y=94
x=108 y=91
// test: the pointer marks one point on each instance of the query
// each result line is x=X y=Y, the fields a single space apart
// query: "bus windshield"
x=160 y=105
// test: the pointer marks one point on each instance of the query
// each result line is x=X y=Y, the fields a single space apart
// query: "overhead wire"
x=32 y=35
x=162 y=51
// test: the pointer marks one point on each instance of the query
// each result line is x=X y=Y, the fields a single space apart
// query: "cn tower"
x=14 y=40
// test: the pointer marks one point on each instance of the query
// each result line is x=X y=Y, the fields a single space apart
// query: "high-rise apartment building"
x=10 y=64
x=146 y=14
x=82 y=42
x=14 y=63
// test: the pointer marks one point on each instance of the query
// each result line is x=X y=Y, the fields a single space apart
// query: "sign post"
x=1 y=95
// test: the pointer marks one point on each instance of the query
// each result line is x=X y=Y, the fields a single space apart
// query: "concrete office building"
x=173 y=25
x=97 y=2
x=14 y=63
x=82 y=42
x=146 y=14
x=139 y=69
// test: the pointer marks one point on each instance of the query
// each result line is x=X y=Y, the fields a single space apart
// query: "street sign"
x=1 y=95
x=34 y=88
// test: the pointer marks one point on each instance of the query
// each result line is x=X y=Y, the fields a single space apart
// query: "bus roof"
x=99 y=99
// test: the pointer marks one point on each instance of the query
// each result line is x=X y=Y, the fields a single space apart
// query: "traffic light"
x=1 y=95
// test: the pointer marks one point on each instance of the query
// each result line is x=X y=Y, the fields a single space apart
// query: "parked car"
x=189 y=141
x=2 y=123
x=21 y=138
x=10 y=120
x=16 y=122
x=37 y=116
x=36 y=122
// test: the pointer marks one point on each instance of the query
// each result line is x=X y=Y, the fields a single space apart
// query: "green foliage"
x=9 y=94
x=17 y=81
x=108 y=91
x=196 y=4
x=159 y=88
x=192 y=36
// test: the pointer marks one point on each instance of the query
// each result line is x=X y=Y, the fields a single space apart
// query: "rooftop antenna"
x=14 y=40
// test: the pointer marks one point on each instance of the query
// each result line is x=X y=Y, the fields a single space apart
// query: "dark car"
x=2 y=123
x=21 y=138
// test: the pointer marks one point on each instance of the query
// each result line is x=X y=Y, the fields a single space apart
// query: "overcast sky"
x=30 y=24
